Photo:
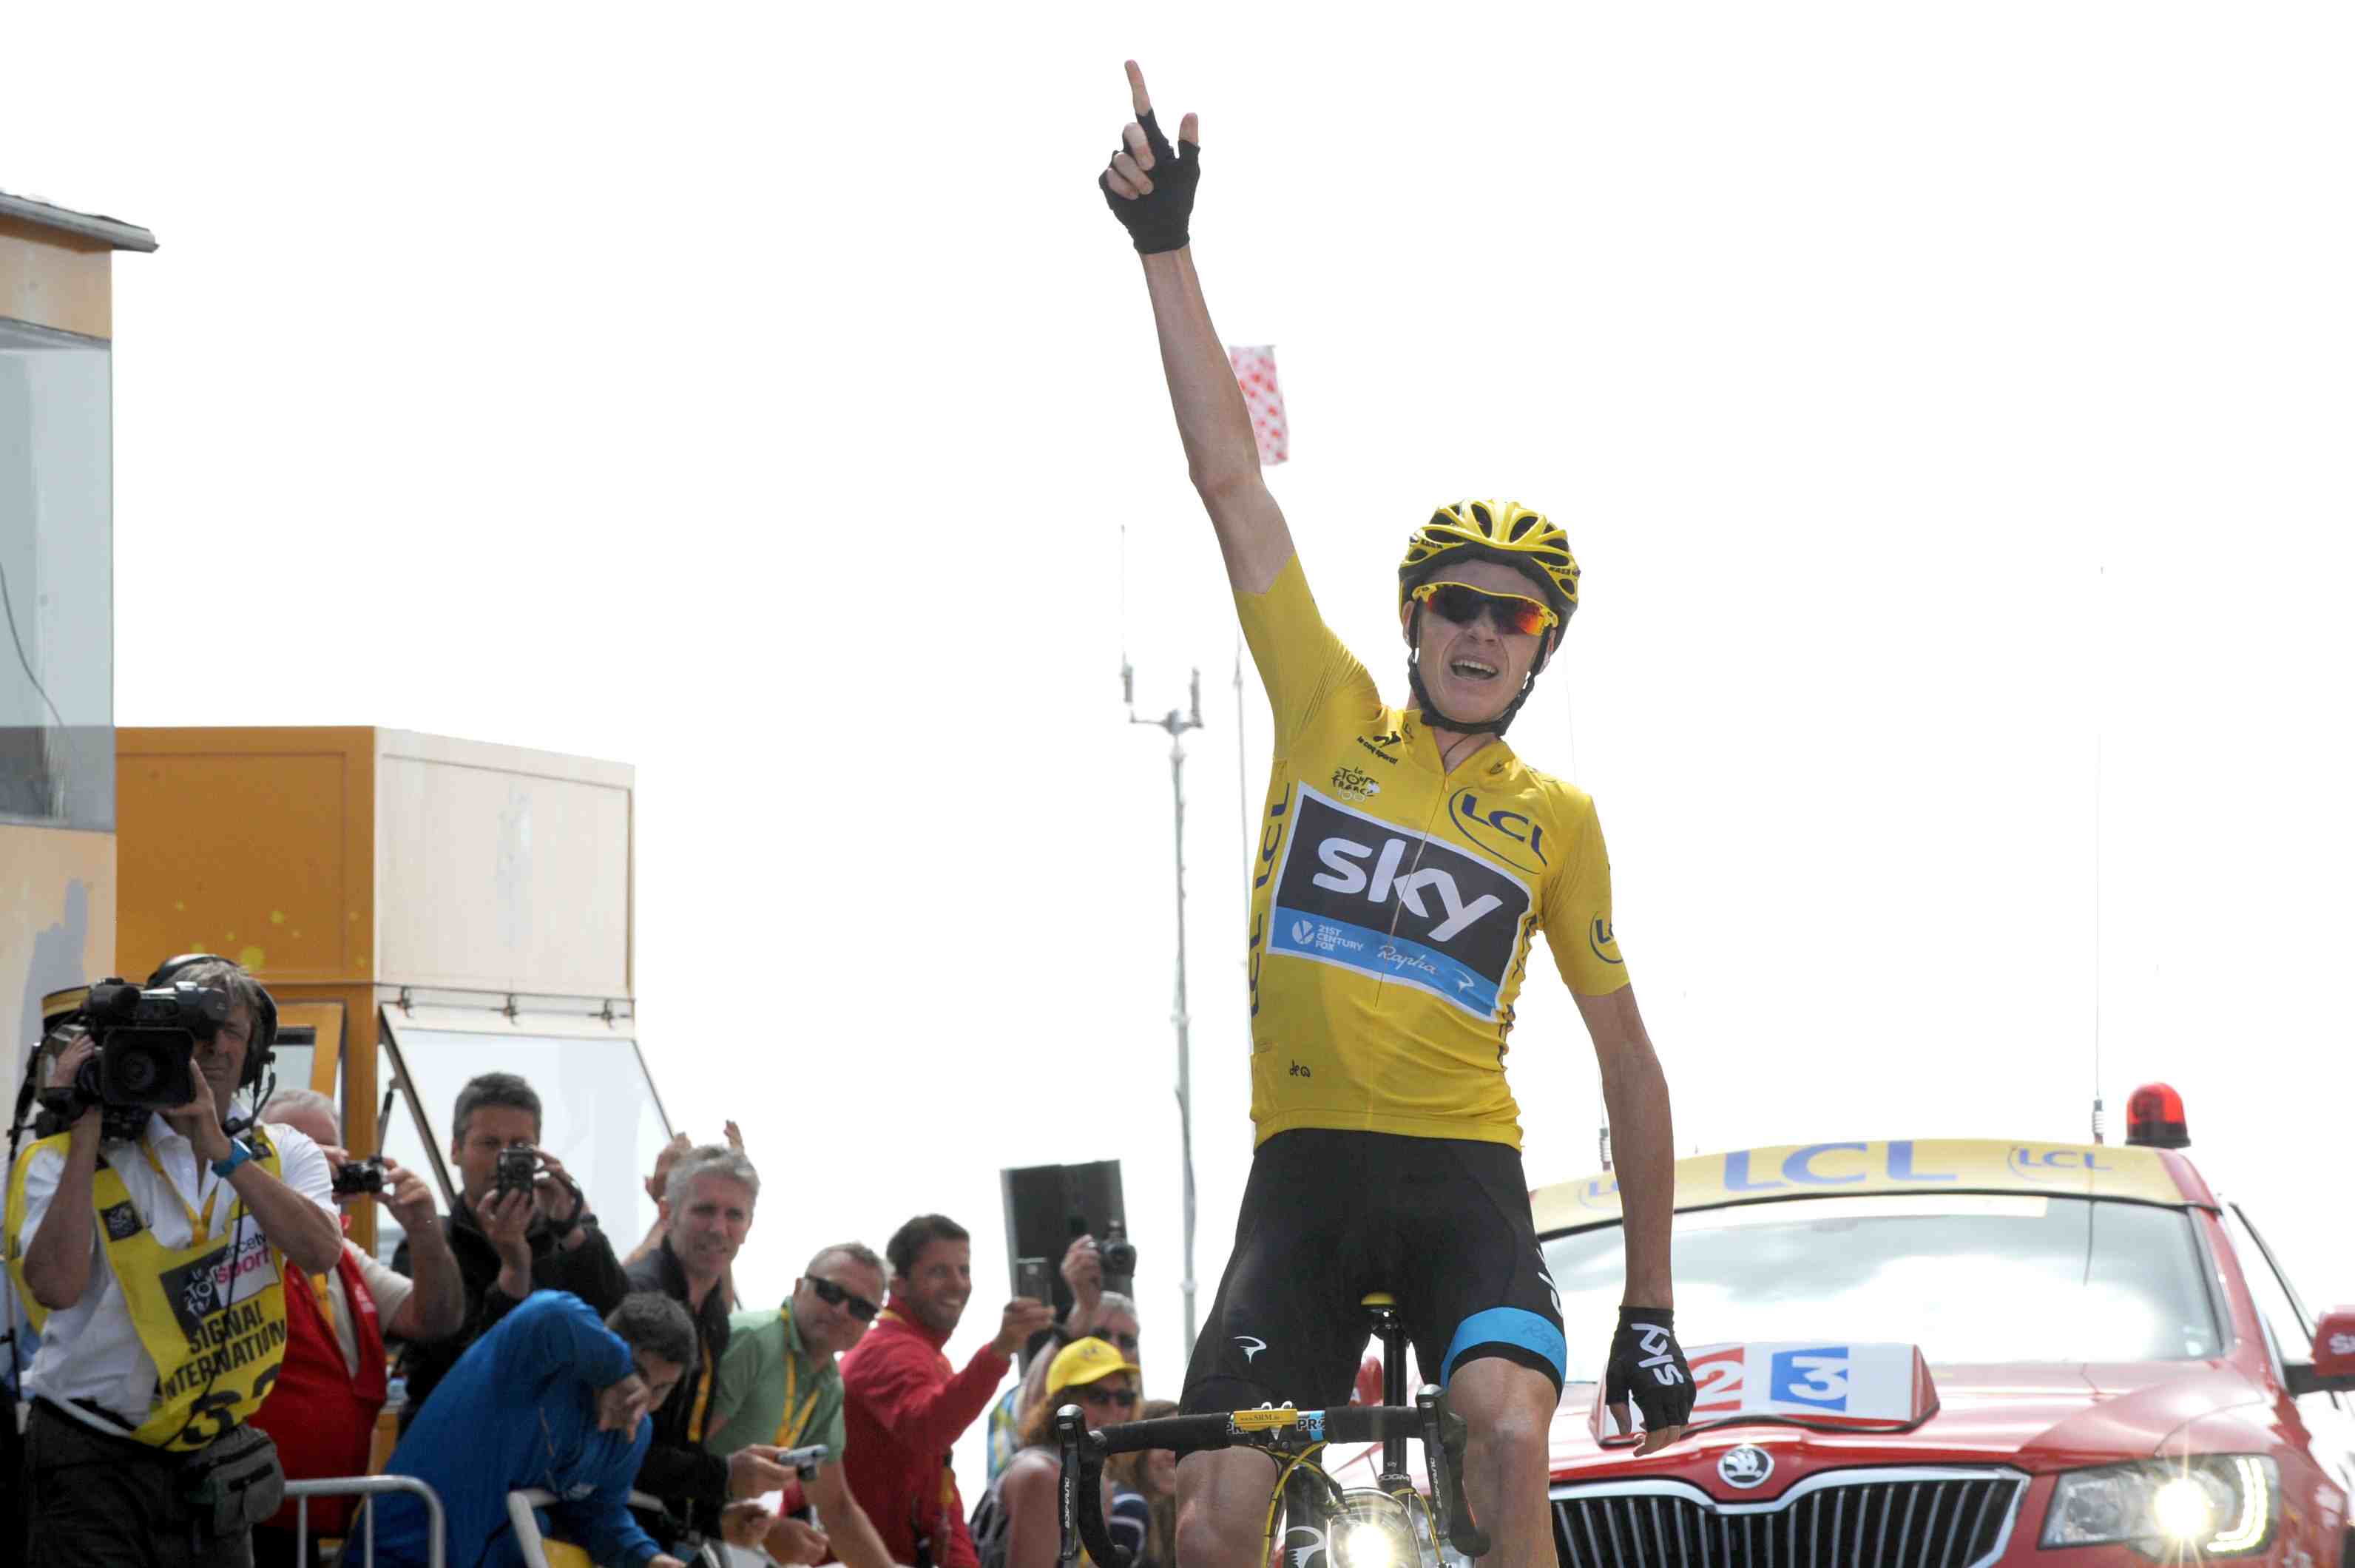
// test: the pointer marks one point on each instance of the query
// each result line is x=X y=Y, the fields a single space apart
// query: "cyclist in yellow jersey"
x=1406 y=859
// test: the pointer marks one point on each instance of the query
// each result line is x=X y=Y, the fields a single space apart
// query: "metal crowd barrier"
x=520 y=1505
x=436 y=1528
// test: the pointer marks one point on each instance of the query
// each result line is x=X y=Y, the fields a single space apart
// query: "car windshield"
x=1968 y=1278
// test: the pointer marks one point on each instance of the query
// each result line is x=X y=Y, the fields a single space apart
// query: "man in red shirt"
x=905 y=1407
x=321 y=1410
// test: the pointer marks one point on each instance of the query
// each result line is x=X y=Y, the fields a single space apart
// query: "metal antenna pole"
x=2101 y=643
x=1176 y=724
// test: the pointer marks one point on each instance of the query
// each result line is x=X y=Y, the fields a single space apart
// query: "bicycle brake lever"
x=1070 y=1425
x=1079 y=1493
x=1443 y=1438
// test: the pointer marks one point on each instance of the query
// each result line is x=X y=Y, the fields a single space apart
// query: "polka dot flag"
x=1256 y=373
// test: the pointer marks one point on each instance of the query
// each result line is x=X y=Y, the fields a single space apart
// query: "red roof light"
x=2154 y=1119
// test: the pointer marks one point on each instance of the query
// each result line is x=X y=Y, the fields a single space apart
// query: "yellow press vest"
x=214 y=1324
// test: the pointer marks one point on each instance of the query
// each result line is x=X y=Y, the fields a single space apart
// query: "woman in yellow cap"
x=1016 y=1525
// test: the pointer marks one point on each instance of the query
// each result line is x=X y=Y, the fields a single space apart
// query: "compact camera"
x=1119 y=1255
x=360 y=1176
x=519 y=1169
x=146 y=1051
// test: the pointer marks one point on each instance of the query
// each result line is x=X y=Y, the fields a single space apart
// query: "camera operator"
x=153 y=1265
x=519 y=1225
x=322 y=1409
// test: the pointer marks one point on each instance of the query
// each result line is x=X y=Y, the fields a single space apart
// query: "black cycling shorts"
x=1443 y=1224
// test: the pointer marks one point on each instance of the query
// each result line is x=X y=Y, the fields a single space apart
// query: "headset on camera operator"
x=147 y=1243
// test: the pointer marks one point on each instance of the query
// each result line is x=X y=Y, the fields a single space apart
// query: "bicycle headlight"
x=2214 y=1505
x=1374 y=1529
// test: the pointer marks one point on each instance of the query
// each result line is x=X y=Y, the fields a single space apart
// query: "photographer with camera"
x=519 y=1225
x=1100 y=1279
x=322 y=1409
x=154 y=1234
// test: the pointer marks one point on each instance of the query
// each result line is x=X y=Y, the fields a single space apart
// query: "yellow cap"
x=1086 y=1360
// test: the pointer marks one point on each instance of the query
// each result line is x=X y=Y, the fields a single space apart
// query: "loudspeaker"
x=1047 y=1205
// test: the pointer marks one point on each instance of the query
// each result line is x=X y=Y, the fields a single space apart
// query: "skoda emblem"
x=1746 y=1466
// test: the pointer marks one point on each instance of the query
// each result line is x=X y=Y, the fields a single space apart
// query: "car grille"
x=1884 y=1519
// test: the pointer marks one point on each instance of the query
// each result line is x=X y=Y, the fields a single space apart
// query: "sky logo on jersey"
x=1362 y=894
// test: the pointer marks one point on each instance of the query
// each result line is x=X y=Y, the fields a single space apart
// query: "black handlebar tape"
x=1185 y=1433
x=1193 y=1434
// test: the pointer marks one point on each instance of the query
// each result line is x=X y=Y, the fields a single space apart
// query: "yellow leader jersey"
x=1393 y=901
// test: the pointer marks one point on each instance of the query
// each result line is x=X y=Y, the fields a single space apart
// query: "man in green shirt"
x=777 y=1384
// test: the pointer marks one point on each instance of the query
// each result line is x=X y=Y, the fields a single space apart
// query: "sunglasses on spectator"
x=1125 y=1342
x=1465 y=604
x=834 y=1295
x=1119 y=1398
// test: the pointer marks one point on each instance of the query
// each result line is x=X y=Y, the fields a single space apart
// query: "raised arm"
x=63 y=1253
x=1150 y=186
x=297 y=1214
x=437 y=1308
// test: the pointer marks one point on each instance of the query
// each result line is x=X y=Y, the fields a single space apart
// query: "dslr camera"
x=145 y=1058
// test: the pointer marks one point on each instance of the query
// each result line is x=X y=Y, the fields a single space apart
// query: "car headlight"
x=1375 y=1529
x=2214 y=1505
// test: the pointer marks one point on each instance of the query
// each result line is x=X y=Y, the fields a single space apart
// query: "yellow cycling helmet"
x=1503 y=531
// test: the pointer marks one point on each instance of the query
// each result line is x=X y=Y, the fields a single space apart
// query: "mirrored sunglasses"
x=1465 y=604
x=834 y=1295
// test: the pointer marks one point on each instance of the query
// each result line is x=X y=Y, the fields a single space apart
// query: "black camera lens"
x=147 y=1067
x=136 y=1073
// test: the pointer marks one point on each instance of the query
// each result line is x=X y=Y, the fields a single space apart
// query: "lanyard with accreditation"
x=211 y=1315
x=789 y=1429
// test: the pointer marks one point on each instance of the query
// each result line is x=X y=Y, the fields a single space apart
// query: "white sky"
x=757 y=397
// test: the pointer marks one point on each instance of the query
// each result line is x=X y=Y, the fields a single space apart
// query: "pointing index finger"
x=1139 y=99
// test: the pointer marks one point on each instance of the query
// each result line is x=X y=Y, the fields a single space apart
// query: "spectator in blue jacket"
x=550 y=1398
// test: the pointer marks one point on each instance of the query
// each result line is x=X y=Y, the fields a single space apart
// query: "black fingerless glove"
x=1157 y=220
x=1647 y=1363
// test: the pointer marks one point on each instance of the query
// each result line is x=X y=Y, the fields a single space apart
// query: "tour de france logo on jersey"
x=204 y=1286
x=1362 y=894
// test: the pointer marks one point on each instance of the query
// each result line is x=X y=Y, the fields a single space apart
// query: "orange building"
x=424 y=909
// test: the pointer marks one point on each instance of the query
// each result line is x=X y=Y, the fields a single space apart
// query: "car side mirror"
x=2332 y=1370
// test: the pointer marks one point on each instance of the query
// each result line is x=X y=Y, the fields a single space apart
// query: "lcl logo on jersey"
x=1364 y=894
x=1508 y=834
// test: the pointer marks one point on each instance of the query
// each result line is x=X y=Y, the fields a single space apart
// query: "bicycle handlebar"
x=1083 y=1452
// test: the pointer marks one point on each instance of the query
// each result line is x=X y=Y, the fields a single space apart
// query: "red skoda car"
x=1945 y=1354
